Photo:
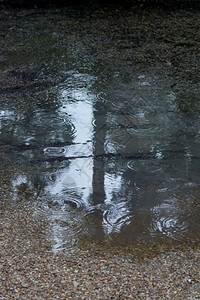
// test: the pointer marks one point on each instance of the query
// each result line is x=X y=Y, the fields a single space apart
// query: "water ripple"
x=54 y=151
x=170 y=227
x=167 y=221
x=113 y=221
x=49 y=120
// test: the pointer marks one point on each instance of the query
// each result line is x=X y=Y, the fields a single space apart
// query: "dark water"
x=110 y=151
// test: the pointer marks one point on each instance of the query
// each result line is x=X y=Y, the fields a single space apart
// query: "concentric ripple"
x=113 y=221
x=167 y=221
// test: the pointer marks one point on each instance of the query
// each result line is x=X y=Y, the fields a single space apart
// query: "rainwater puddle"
x=112 y=159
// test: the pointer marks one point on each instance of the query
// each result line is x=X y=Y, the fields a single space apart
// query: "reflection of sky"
x=5 y=115
x=116 y=210
x=78 y=176
x=79 y=173
x=16 y=182
x=112 y=183
x=80 y=114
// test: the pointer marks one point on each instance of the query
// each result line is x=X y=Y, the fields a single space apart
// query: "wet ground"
x=100 y=126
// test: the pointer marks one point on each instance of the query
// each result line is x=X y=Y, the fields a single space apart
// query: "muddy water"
x=109 y=148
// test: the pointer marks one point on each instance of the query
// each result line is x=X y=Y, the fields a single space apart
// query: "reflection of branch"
x=137 y=155
x=24 y=147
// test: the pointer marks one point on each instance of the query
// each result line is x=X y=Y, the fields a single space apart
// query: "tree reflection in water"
x=64 y=149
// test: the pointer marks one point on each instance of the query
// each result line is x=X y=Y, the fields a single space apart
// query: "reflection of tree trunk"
x=98 y=167
x=98 y=181
x=98 y=144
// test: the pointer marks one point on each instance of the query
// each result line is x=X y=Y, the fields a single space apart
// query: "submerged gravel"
x=29 y=270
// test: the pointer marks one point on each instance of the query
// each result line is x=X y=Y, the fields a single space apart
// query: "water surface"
x=109 y=150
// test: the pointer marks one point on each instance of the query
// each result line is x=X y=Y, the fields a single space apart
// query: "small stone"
x=75 y=283
x=24 y=285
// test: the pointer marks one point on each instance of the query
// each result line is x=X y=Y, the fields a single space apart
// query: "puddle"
x=109 y=154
